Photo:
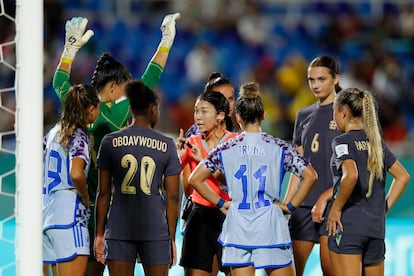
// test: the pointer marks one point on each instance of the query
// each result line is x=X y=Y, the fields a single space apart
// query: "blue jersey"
x=254 y=165
x=361 y=214
x=61 y=206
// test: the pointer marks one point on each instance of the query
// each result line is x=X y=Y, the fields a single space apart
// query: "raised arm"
x=157 y=63
x=75 y=38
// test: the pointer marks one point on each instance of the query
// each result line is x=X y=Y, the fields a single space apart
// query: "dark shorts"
x=91 y=229
x=145 y=252
x=302 y=227
x=371 y=249
x=200 y=238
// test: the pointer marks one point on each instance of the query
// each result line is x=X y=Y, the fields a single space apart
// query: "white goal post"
x=29 y=134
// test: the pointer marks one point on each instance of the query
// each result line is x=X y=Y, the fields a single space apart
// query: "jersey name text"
x=125 y=141
x=251 y=150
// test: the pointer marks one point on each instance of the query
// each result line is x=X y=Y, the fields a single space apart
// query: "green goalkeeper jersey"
x=113 y=116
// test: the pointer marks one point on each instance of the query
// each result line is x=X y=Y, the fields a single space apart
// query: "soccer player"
x=201 y=253
x=218 y=83
x=360 y=162
x=66 y=199
x=313 y=134
x=255 y=233
x=139 y=185
x=109 y=78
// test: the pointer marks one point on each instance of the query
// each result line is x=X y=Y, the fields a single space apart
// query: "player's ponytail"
x=371 y=127
x=75 y=110
x=362 y=104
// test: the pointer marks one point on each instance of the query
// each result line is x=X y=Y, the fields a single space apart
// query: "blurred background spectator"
x=263 y=40
x=268 y=41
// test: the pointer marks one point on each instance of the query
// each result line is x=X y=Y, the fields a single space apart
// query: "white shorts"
x=61 y=245
x=258 y=257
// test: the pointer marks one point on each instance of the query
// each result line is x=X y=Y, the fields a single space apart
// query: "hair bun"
x=250 y=90
x=214 y=75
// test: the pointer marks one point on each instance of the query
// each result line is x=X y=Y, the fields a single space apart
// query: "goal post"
x=29 y=134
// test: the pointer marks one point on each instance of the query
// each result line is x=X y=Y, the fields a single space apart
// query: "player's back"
x=138 y=158
x=254 y=160
x=254 y=170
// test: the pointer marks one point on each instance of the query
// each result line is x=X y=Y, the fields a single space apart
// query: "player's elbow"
x=406 y=177
x=77 y=176
x=191 y=181
x=194 y=181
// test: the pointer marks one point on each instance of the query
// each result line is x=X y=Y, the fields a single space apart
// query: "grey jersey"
x=314 y=131
x=361 y=215
x=139 y=158
x=254 y=165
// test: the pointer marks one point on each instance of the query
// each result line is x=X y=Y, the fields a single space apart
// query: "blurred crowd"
x=268 y=41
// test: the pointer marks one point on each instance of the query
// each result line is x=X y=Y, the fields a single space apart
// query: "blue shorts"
x=62 y=245
x=65 y=233
x=302 y=227
x=258 y=257
x=371 y=249
x=145 y=252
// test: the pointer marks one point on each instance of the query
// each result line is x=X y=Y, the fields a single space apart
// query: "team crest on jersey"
x=341 y=150
x=332 y=125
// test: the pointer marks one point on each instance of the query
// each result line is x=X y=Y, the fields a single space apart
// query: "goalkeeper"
x=109 y=78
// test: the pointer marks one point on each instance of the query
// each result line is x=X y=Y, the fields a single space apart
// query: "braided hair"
x=362 y=104
x=109 y=69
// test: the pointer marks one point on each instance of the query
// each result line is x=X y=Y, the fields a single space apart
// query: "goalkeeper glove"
x=75 y=37
x=168 y=31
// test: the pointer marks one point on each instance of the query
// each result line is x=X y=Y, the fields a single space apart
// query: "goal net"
x=21 y=131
